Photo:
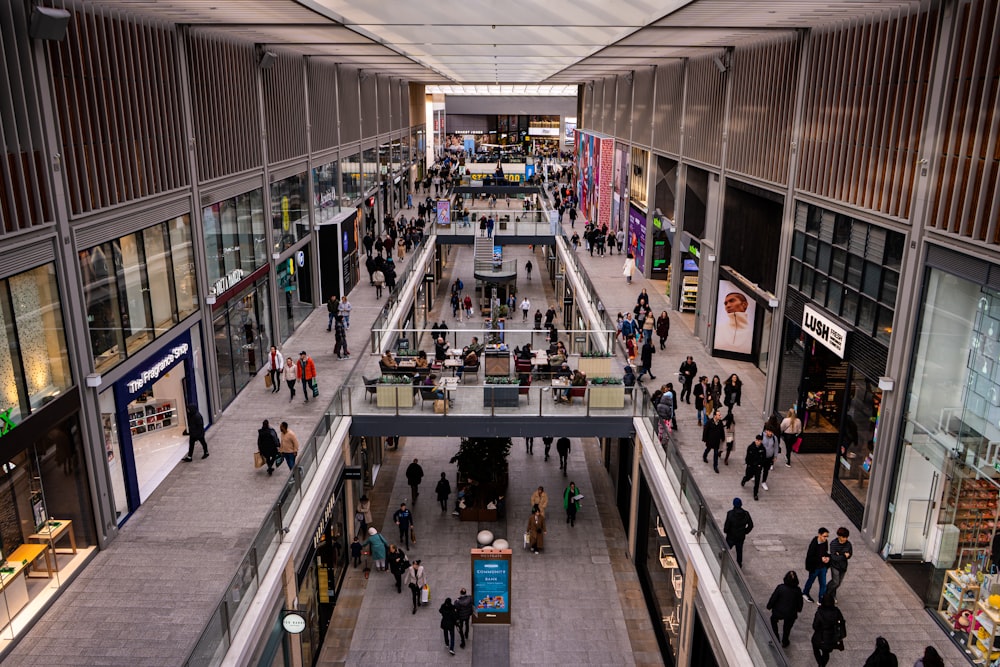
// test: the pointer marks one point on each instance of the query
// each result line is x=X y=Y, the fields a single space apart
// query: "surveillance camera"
x=719 y=65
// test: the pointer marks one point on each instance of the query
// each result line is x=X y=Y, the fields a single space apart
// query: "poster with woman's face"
x=734 y=319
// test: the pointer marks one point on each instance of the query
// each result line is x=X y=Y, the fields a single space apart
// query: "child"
x=356 y=552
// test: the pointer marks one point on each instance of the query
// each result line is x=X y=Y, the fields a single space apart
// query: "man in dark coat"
x=688 y=372
x=195 y=433
x=465 y=610
x=785 y=604
x=737 y=526
x=646 y=361
x=817 y=562
x=414 y=474
x=267 y=445
x=713 y=435
x=563 y=447
x=443 y=490
x=756 y=459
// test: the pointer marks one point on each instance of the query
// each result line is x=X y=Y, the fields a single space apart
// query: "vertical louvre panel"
x=966 y=199
x=285 y=107
x=225 y=105
x=642 y=106
x=24 y=186
x=587 y=121
x=369 y=105
x=322 y=78
x=668 y=106
x=623 y=107
x=348 y=101
x=117 y=104
x=863 y=110
x=704 y=111
x=396 y=122
x=599 y=105
x=762 y=109
x=608 y=113
x=383 y=104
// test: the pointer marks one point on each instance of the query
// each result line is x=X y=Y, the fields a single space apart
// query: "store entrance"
x=157 y=421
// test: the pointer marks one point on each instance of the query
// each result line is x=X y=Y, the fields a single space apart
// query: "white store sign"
x=823 y=329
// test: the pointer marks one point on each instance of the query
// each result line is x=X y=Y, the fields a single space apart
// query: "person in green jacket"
x=378 y=545
x=569 y=504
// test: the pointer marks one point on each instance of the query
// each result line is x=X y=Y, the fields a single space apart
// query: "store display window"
x=661 y=573
x=235 y=239
x=638 y=182
x=295 y=297
x=326 y=183
x=290 y=217
x=34 y=367
x=369 y=163
x=350 y=169
x=242 y=337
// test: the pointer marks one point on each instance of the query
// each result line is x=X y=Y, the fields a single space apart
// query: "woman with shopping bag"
x=416 y=579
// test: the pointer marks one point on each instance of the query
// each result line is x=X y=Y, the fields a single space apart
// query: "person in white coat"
x=289 y=375
x=628 y=269
x=416 y=579
x=275 y=364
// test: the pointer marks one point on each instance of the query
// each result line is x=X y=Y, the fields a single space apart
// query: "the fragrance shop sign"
x=826 y=331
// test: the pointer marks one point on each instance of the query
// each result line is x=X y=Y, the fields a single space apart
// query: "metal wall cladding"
x=762 y=109
x=623 y=106
x=863 y=110
x=704 y=110
x=396 y=122
x=322 y=81
x=225 y=105
x=117 y=99
x=369 y=104
x=965 y=196
x=413 y=101
x=24 y=187
x=285 y=107
x=608 y=107
x=642 y=106
x=349 y=103
x=586 y=119
x=598 y=119
x=668 y=106
x=384 y=105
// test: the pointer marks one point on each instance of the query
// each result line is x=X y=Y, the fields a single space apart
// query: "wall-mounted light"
x=711 y=258
x=886 y=384
x=210 y=299
x=267 y=59
x=773 y=303
x=94 y=380
x=275 y=255
x=48 y=23
x=719 y=65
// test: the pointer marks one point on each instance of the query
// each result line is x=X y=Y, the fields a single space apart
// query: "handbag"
x=425 y=594
x=413 y=535
x=797 y=445
x=315 y=386
x=267 y=380
x=258 y=460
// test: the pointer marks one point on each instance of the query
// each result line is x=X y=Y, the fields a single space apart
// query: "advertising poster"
x=443 y=212
x=734 y=319
x=619 y=206
x=637 y=236
x=603 y=158
x=491 y=585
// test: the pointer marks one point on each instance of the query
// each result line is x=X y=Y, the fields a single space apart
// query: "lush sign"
x=824 y=330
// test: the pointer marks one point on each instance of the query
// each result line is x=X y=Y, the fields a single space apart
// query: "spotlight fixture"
x=267 y=59
x=48 y=23
x=719 y=65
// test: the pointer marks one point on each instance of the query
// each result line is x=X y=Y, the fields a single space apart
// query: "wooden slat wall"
x=623 y=106
x=966 y=197
x=369 y=105
x=322 y=78
x=608 y=108
x=285 y=107
x=704 y=111
x=668 y=106
x=348 y=103
x=863 y=113
x=762 y=109
x=642 y=106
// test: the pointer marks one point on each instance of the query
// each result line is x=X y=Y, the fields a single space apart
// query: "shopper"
x=356 y=552
x=663 y=331
x=195 y=433
x=340 y=339
x=536 y=530
x=397 y=562
x=571 y=503
x=527 y=269
x=733 y=391
x=687 y=372
x=563 y=448
x=713 y=435
x=449 y=618
x=290 y=374
x=785 y=605
x=289 y=445
x=841 y=551
x=529 y=442
x=540 y=499
x=646 y=361
x=882 y=656
x=737 y=526
x=415 y=578
x=817 y=562
x=755 y=460
x=465 y=610
x=267 y=445
x=791 y=428
x=378 y=280
x=547 y=441
x=332 y=306
x=829 y=630
x=628 y=268
x=930 y=658
x=364 y=514
x=414 y=474
x=771 y=448
x=403 y=519
x=729 y=423
x=378 y=546
x=443 y=490
x=525 y=309
x=275 y=362
x=700 y=393
x=305 y=370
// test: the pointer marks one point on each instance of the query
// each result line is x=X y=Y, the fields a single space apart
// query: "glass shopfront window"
x=242 y=338
x=235 y=239
x=137 y=287
x=295 y=301
x=370 y=169
x=34 y=366
x=661 y=574
x=350 y=168
x=290 y=211
x=326 y=182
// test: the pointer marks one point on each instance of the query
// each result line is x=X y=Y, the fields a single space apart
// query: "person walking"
x=663 y=330
x=791 y=428
x=527 y=269
x=414 y=475
x=713 y=434
x=785 y=604
x=275 y=362
x=841 y=551
x=547 y=442
x=443 y=490
x=733 y=391
x=332 y=306
x=829 y=630
x=305 y=370
x=771 y=448
x=755 y=460
x=378 y=280
x=700 y=393
x=403 y=518
x=628 y=268
x=364 y=514
x=646 y=360
x=563 y=448
x=344 y=310
x=930 y=658
x=817 y=562
x=340 y=339
x=465 y=610
x=449 y=618
x=267 y=445
x=540 y=499
x=467 y=302
x=415 y=578
x=525 y=309
x=687 y=372
x=729 y=423
x=571 y=503
x=289 y=445
x=536 y=530
x=378 y=546
x=529 y=444
x=737 y=526
x=290 y=374
x=882 y=656
x=572 y=217
x=195 y=432
x=397 y=562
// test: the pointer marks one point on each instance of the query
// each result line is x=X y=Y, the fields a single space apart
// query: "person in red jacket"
x=305 y=370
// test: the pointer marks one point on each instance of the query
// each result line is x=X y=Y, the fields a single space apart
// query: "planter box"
x=595 y=367
x=607 y=396
x=501 y=395
x=386 y=395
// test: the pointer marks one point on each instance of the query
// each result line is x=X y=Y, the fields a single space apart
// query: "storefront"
x=943 y=513
x=241 y=322
x=595 y=157
x=664 y=231
x=839 y=310
x=144 y=418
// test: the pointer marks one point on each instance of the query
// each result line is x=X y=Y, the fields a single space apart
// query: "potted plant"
x=500 y=391
x=607 y=392
x=482 y=470
x=595 y=364
x=393 y=390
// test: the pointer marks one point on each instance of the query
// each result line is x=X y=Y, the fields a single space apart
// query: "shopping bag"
x=439 y=406
x=315 y=388
x=797 y=445
x=258 y=460
x=527 y=540
x=267 y=380
x=425 y=594
x=413 y=535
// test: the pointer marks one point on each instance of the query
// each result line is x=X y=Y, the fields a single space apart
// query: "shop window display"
x=235 y=239
x=242 y=338
x=369 y=168
x=290 y=217
x=350 y=168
